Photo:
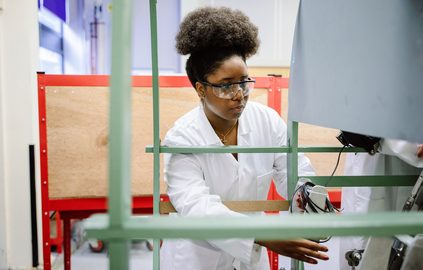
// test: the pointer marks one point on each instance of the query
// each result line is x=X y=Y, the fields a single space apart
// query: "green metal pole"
x=261 y=227
x=292 y=157
x=120 y=131
x=300 y=265
x=364 y=180
x=293 y=171
x=216 y=149
x=156 y=126
x=119 y=255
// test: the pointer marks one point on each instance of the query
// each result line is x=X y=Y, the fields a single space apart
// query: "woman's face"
x=233 y=69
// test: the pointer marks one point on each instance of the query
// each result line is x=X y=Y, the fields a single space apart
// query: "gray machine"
x=400 y=243
x=357 y=66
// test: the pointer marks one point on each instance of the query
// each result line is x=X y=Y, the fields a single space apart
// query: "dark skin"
x=223 y=114
x=420 y=151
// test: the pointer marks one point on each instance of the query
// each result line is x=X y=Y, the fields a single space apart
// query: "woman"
x=219 y=41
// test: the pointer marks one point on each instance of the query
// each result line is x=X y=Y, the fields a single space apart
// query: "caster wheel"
x=96 y=246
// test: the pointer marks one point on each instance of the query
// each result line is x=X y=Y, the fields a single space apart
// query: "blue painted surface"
x=58 y=7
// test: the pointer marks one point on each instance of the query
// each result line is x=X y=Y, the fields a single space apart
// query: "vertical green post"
x=292 y=157
x=293 y=172
x=156 y=125
x=119 y=251
x=120 y=130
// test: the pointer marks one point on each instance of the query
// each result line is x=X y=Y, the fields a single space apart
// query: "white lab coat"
x=396 y=158
x=198 y=183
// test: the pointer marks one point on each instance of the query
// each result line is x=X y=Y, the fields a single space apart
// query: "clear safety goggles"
x=229 y=90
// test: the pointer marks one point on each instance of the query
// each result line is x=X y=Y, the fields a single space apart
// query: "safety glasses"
x=229 y=90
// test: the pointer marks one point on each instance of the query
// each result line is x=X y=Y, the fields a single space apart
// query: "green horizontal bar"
x=217 y=149
x=364 y=181
x=329 y=149
x=243 y=149
x=260 y=227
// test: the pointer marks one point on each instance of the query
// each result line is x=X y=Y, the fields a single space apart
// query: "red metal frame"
x=79 y=208
x=266 y=82
x=44 y=170
x=58 y=240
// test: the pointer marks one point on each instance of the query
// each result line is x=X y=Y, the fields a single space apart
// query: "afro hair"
x=211 y=28
x=212 y=34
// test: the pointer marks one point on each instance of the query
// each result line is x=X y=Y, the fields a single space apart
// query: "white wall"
x=18 y=128
x=167 y=27
x=275 y=20
x=76 y=47
x=3 y=244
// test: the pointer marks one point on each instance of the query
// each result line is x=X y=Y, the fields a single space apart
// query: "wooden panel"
x=239 y=206
x=77 y=136
x=323 y=163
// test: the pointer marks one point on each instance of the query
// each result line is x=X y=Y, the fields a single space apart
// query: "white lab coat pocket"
x=263 y=185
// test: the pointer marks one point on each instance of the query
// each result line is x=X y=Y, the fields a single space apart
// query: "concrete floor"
x=142 y=258
x=84 y=259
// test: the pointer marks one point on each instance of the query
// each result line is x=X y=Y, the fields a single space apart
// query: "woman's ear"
x=199 y=87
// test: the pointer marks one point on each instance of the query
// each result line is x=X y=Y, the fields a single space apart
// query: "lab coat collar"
x=210 y=136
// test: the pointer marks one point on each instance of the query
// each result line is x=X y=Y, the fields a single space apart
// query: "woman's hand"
x=420 y=151
x=300 y=249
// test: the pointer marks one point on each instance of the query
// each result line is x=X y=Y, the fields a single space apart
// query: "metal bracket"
x=416 y=197
x=354 y=257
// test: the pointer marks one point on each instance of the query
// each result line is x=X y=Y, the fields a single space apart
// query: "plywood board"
x=77 y=137
x=77 y=134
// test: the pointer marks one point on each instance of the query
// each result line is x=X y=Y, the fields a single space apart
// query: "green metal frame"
x=240 y=149
x=119 y=226
x=120 y=130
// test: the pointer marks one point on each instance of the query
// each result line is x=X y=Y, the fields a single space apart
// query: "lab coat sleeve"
x=280 y=165
x=403 y=150
x=191 y=198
